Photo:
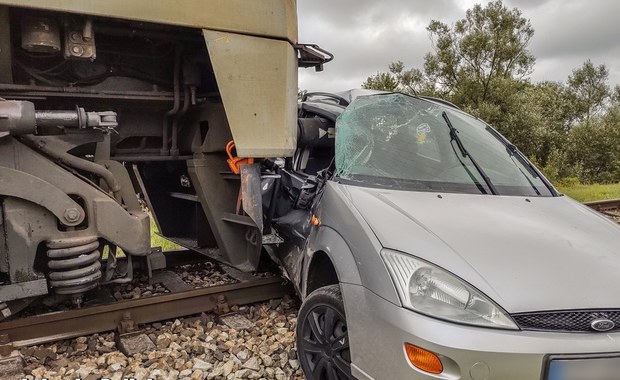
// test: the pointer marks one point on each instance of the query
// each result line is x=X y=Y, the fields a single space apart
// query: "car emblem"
x=602 y=324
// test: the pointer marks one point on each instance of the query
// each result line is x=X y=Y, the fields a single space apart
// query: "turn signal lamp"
x=423 y=360
x=315 y=221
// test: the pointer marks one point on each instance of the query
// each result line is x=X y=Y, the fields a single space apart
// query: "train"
x=113 y=112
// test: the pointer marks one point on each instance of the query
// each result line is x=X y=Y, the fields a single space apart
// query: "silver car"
x=426 y=246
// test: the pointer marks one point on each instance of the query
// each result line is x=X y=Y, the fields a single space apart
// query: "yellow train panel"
x=269 y=18
x=257 y=78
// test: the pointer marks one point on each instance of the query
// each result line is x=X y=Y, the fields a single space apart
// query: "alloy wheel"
x=325 y=344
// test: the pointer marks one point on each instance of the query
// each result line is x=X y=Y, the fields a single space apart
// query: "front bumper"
x=379 y=329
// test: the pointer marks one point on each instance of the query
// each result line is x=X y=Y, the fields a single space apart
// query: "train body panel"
x=267 y=18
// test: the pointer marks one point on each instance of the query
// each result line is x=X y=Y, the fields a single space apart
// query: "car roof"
x=331 y=105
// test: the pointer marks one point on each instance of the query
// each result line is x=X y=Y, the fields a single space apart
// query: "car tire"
x=322 y=339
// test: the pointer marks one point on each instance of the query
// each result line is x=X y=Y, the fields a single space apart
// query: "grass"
x=595 y=192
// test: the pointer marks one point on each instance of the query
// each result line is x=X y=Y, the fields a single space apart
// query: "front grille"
x=568 y=321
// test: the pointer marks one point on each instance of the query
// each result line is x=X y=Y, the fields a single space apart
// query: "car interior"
x=289 y=195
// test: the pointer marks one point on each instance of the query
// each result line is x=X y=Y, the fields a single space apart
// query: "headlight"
x=433 y=291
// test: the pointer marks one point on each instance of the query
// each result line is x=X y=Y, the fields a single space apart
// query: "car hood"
x=527 y=254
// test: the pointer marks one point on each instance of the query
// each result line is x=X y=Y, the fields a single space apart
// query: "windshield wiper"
x=514 y=152
x=454 y=136
x=469 y=173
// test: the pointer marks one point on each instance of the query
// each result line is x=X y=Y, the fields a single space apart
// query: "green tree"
x=408 y=81
x=540 y=113
x=381 y=82
x=594 y=139
x=480 y=54
x=590 y=91
x=595 y=148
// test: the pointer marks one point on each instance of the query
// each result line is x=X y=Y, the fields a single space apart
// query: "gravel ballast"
x=198 y=348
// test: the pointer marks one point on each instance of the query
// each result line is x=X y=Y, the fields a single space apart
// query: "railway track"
x=51 y=327
x=609 y=207
x=112 y=315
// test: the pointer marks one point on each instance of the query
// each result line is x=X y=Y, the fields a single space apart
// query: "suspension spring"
x=74 y=264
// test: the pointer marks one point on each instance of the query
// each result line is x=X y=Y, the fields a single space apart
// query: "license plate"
x=584 y=369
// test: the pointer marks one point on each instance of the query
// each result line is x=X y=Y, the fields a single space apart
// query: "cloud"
x=347 y=14
x=575 y=28
x=527 y=4
x=365 y=36
x=362 y=52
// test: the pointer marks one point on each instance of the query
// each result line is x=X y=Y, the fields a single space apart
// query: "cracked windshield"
x=403 y=142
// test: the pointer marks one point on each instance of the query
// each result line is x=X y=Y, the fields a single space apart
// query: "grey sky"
x=366 y=35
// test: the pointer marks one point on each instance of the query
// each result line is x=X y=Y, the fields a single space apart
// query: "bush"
x=568 y=182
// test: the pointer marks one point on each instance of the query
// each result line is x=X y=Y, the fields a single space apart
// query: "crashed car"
x=424 y=245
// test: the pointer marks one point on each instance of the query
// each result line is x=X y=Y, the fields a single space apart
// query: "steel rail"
x=56 y=326
x=604 y=205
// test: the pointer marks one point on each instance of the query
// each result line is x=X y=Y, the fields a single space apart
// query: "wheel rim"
x=325 y=344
